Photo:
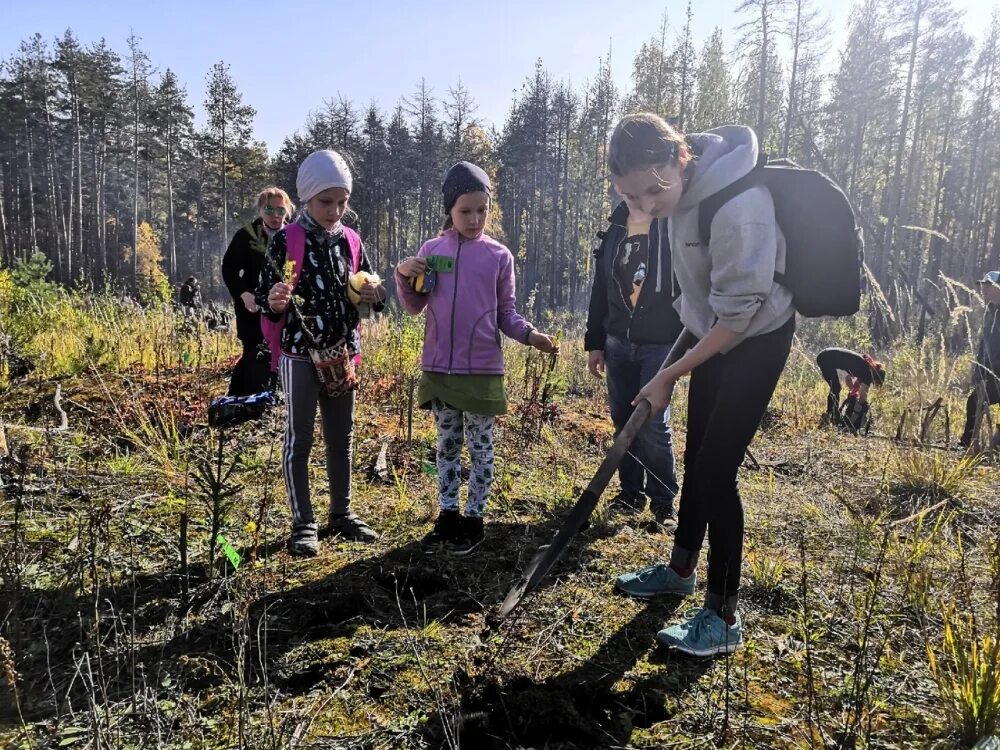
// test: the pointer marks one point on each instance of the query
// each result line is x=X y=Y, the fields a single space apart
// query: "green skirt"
x=479 y=394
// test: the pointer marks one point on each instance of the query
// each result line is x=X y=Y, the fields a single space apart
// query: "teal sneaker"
x=656 y=580
x=703 y=633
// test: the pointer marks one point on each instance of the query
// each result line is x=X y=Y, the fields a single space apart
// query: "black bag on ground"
x=855 y=415
x=229 y=411
x=824 y=248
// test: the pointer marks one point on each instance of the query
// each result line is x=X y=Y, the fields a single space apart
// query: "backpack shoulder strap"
x=354 y=243
x=709 y=207
x=295 y=247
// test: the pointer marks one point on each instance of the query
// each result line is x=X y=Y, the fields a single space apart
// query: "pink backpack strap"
x=295 y=247
x=354 y=243
x=295 y=251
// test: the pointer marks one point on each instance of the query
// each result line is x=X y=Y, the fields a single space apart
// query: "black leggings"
x=833 y=359
x=727 y=398
x=992 y=397
x=252 y=374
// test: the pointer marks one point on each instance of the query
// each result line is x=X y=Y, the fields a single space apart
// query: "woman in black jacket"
x=631 y=325
x=241 y=270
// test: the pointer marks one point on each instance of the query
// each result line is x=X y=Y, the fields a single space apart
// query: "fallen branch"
x=910 y=442
x=63 y=420
x=921 y=513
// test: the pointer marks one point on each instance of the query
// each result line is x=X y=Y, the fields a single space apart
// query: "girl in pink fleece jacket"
x=464 y=281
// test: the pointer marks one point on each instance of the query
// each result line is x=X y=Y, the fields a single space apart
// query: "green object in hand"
x=232 y=554
x=440 y=263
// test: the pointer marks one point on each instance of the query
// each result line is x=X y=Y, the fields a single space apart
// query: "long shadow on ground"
x=50 y=628
x=287 y=635
x=595 y=705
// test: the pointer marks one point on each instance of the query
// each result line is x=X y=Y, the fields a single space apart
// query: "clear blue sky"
x=288 y=56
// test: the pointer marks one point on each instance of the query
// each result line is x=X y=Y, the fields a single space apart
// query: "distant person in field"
x=744 y=321
x=241 y=271
x=464 y=280
x=859 y=373
x=631 y=325
x=320 y=322
x=986 y=370
x=190 y=296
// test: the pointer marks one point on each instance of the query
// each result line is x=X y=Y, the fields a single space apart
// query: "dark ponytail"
x=645 y=140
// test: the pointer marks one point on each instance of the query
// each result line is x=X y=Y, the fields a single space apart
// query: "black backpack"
x=825 y=251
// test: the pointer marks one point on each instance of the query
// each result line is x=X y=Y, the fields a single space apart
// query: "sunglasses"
x=274 y=210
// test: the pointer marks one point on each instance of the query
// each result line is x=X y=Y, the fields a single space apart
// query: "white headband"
x=321 y=171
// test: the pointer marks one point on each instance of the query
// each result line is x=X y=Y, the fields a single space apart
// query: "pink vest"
x=295 y=240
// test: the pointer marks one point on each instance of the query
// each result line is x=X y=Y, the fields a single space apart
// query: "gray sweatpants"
x=302 y=394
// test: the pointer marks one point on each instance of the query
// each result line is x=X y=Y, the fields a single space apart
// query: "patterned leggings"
x=453 y=426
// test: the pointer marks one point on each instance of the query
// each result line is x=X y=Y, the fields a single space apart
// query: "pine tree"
x=653 y=77
x=230 y=124
x=807 y=32
x=713 y=85
x=460 y=110
x=373 y=181
x=92 y=149
x=747 y=102
x=428 y=141
x=401 y=163
x=172 y=120
x=684 y=62
x=139 y=73
x=758 y=46
x=862 y=114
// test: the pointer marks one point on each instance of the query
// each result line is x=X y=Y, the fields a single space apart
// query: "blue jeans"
x=629 y=367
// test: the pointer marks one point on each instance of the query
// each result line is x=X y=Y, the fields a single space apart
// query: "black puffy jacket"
x=241 y=271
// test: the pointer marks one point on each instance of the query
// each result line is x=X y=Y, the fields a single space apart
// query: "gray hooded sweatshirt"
x=731 y=281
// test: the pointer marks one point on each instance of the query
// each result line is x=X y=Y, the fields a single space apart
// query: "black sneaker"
x=350 y=527
x=304 y=542
x=446 y=529
x=471 y=535
x=664 y=521
x=626 y=505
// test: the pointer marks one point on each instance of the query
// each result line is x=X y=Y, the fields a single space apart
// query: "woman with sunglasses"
x=241 y=270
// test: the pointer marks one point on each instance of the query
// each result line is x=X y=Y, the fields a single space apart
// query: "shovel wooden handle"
x=548 y=555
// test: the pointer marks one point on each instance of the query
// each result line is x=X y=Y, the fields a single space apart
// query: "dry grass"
x=117 y=645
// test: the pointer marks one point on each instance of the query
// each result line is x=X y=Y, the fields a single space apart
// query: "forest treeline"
x=99 y=152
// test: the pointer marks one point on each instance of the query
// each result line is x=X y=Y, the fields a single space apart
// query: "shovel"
x=549 y=554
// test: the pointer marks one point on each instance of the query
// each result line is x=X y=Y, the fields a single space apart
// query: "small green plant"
x=124 y=466
x=766 y=569
x=932 y=476
x=214 y=477
x=966 y=668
